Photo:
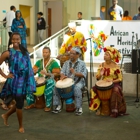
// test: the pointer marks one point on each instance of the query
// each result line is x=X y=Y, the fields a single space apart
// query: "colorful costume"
x=23 y=81
x=70 y=41
x=80 y=68
x=21 y=31
x=48 y=93
x=115 y=13
x=117 y=102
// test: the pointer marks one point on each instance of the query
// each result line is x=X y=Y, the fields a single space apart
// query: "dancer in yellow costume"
x=73 y=39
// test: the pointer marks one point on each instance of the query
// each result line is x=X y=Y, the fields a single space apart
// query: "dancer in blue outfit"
x=19 y=26
x=20 y=80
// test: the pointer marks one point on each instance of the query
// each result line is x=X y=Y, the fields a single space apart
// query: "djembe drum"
x=39 y=94
x=65 y=89
x=104 y=90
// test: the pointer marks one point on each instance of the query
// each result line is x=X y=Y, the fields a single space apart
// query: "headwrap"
x=114 y=53
x=18 y=11
x=71 y=24
x=77 y=49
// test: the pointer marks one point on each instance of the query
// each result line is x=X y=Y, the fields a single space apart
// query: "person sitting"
x=51 y=69
x=73 y=38
x=109 y=71
x=126 y=16
x=76 y=69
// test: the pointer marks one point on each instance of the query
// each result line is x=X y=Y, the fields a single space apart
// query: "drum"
x=104 y=90
x=65 y=89
x=39 y=94
x=64 y=58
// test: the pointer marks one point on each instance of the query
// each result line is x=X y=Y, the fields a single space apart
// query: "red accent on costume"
x=76 y=42
x=105 y=49
x=107 y=71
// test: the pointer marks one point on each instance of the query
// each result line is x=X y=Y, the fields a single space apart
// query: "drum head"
x=103 y=85
x=40 y=81
x=67 y=82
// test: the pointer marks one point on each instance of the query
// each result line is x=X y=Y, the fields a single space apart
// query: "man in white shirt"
x=9 y=19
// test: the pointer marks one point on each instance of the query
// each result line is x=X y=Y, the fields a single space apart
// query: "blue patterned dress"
x=21 y=31
x=23 y=81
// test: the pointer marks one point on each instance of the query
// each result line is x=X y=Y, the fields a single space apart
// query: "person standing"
x=115 y=11
x=126 y=16
x=9 y=19
x=20 y=79
x=79 y=16
x=73 y=38
x=102 y=11
x=137 y=16
x=41 y=26
x=18 y=25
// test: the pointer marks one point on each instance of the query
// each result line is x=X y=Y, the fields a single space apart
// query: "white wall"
x=5 y=5
x=89 y=8
x=56 y=15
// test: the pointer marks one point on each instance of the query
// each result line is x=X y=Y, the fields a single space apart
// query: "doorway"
x=25 y=10
x=54 y=16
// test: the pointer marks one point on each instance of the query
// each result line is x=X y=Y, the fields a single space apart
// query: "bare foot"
x=21 y=130
x=98 y=112
x=5 y=119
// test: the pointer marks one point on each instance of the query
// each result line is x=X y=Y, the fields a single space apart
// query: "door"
x=49 y=21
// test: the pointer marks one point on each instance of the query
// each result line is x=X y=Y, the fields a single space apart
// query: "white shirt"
x=9 y=18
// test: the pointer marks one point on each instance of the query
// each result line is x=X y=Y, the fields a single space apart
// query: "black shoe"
x=57 y=109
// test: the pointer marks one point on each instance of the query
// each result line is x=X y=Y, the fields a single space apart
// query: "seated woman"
x=109 y=71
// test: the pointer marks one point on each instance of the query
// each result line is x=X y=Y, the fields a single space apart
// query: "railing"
x=3 y=37
x=54 y=42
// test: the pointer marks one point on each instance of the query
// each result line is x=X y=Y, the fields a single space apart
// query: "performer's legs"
x=78 y=100
x=48 y=94
x=78 y=96
x=56 y=101
x=19 y=106
x=30 y=99
x=56 y=97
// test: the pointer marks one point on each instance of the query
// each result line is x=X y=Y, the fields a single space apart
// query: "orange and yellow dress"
x=117 y=103
x=70 y=41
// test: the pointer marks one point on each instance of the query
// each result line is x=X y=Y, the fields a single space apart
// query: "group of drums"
x=65 y=89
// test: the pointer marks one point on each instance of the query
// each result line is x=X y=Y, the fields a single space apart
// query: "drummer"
x=76 y=69
x=110 y=71
x=72 y=39
x=51 y=69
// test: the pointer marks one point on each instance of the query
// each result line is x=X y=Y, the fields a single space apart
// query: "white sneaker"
x=79 y=111
x=57 y=109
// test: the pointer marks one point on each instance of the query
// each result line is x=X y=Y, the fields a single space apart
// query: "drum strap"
x=70 y=64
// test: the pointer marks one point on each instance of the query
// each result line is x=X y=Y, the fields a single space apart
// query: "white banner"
x=119 y=36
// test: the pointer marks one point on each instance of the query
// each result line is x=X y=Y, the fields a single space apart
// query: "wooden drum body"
x=104 y=91
x=39 y=94
x=65 y=89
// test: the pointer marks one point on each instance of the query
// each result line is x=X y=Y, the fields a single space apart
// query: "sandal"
x=29 y=106
x=47 y=109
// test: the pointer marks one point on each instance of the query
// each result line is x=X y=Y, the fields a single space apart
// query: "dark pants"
x=19 y=100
